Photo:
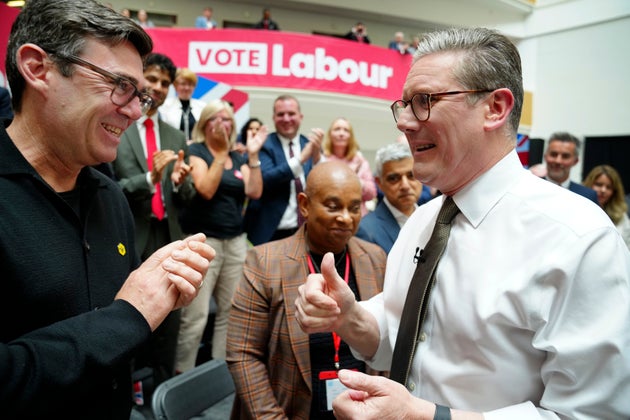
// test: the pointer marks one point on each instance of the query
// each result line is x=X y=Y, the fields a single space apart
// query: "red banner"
x=248 y=57
x=7 y=16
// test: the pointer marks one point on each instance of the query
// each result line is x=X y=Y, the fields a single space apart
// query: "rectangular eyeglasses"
x=124 y=89
x=421 y=103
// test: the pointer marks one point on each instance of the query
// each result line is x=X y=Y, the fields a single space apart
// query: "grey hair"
x=63 y=27
x=563 y=136
x=389 y=153
x=489 y=60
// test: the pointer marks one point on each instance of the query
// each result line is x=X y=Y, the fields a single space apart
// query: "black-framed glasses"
x=124 y=89
x=421 y=103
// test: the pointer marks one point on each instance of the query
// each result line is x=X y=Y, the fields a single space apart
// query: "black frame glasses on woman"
x=421 y=103
x=124 y=89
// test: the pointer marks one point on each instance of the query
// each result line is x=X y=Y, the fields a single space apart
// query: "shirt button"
x=422 y=337
x=411 y=386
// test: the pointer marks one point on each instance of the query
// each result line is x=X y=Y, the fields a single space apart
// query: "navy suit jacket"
x=379 y=227
x=584 y=191
x=263 y=215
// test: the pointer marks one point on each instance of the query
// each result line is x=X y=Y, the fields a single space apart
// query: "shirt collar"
x=478 y=198
x=400 y=217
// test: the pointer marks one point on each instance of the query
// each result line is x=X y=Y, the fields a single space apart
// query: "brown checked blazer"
x=267 y=352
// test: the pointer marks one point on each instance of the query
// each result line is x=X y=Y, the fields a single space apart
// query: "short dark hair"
x=64 y=27
x=162 y=62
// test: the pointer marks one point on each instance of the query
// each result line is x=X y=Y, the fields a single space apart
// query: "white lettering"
x=277 y=69
x=252 y=58
x=321 y=66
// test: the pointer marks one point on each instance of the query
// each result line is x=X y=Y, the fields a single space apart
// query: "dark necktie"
x=298 y=187
x=188 y=119
x=156 y=202
x=417 y=300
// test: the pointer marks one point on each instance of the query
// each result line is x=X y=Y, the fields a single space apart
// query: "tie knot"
x=148 y=123
x=448 y=211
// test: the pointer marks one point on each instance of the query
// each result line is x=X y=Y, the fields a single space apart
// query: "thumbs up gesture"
x=323 y=299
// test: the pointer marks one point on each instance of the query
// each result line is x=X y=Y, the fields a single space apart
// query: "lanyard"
x=346 y=277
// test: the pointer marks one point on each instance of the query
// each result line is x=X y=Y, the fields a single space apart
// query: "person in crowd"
x=152 y=170
x=182 y=111
x=287 y=157
x=341 y=145
x=125 y=12
x=414 y=44
x=223 y=179
x=5 y=103
x=143 y=20
x=278 y=370
x=563 y=153
x=525 y=266
x=606 y=181
x=358 y=33
x=399 y=43
x=394 y=176
x=205 y=20
x=248 y=130
x=266 y=22
x=70 y=266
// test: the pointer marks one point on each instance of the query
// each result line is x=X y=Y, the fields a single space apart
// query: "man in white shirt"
x=529 y=315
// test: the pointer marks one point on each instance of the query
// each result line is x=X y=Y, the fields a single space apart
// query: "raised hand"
x=181 y=169
x=322 y=299
x=161 y=158
x=168 y=279
x=255 y=142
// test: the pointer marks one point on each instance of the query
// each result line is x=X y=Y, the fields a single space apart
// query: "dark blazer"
x=584 y=191
x=379 y=227
x=263 y=215
x=130 y=168
x=267 y=351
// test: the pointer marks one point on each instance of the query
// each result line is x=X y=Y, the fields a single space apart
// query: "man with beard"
x=151 y=168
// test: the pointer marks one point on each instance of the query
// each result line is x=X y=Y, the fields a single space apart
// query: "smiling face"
x=560 y=157
x=331 y=205
x=158 y=80
x=449 y=149
x=85 y=97
x=287 y=117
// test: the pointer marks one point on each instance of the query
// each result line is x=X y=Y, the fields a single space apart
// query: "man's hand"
x=168 y=279
x=161 y=158
x=378 y=398
x=180 y=170
x=323 y=299
x=313 y=147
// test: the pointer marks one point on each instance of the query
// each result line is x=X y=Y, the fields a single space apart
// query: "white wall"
x=576 y=58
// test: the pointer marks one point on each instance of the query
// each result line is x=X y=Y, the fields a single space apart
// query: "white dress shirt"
x=171 y=110
x=529 y=316
x=289 y=219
